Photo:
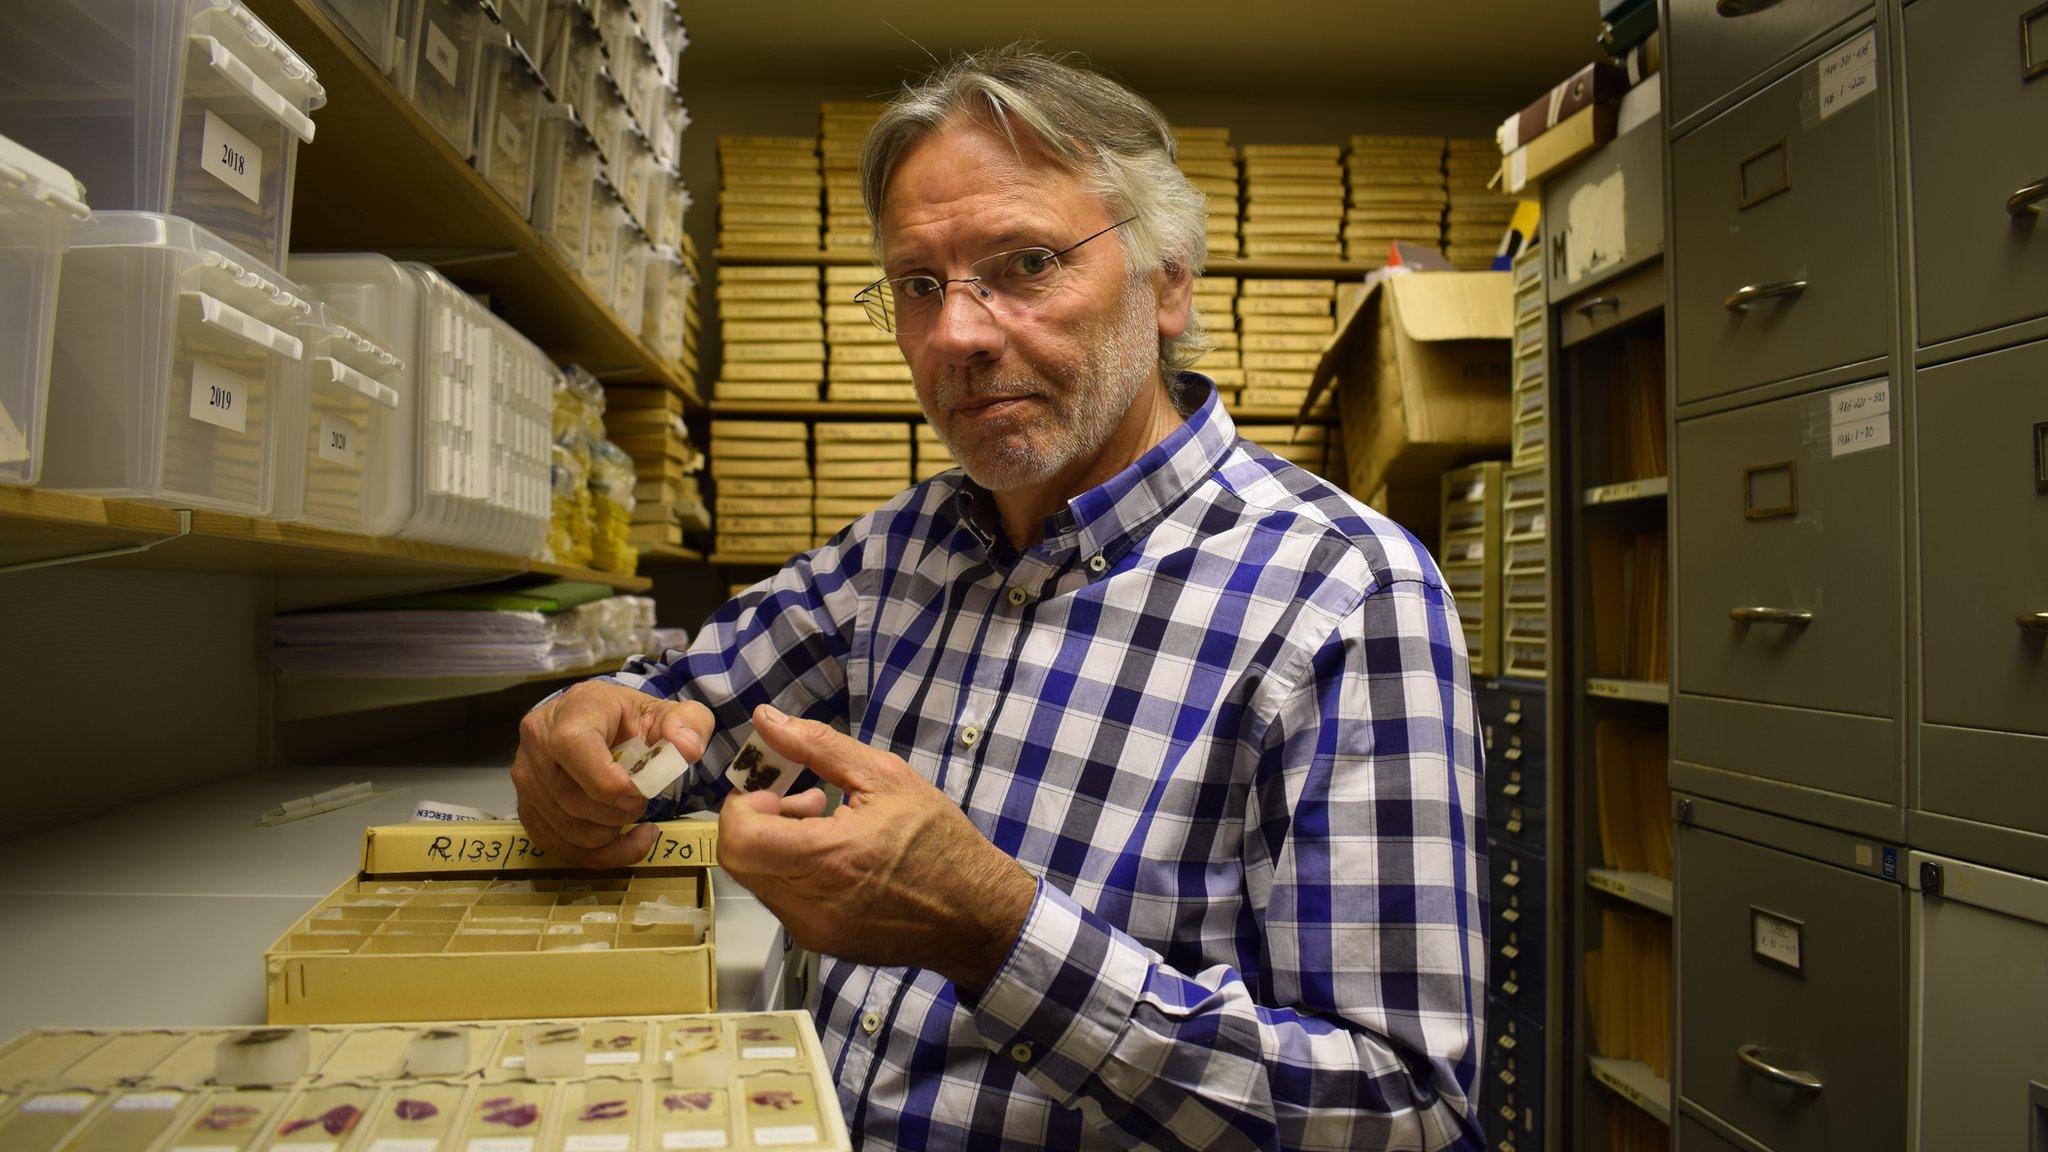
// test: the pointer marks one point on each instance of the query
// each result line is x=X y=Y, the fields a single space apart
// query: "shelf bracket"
x=184 y=529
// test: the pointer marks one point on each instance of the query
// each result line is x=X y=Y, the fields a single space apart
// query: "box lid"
x=35 y=176
x=505 y=846
x=1426 y=307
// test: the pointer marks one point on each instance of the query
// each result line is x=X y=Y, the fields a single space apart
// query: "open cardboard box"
x=475 y=921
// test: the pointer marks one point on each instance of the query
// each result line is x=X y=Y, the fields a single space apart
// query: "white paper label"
x=694 y=1138
x=612 y=1058
x=444 y=812
x=615 y=1142
x=58 y=1102
x=1860 y=403
x=779 y=1052
x=515 y=1062
x=441 y=52
x=404 y=1144
x=149 y=1101
x=1539 y=522
x=220 y=397
x=204 y=1148
x=1775 y=939
x=1858 y=435
x=337 y=443
x=13 y=445
x=511 y=137
x=1518 y=170
x=790 y=1134
x=304 y=1146
x=1848 y=74
x=232 y=157
x=501 y=1144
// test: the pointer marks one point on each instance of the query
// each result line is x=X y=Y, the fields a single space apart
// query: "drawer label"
x=1859 y=418
x=220 y=397
x=337 y=443
x=232 y=158
x=1847 y=74
x=441 y=52
x=1774 y=939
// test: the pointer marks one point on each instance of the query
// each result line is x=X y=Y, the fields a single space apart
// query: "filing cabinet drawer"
x=1511 y=1100
x=1694 y=1136
x=1984 y=539
x=1779 y=264
x=1509 y=720
x=1605 y=212
x=1517 y=929
x=1792 y=987
x=1515 y=804
x=1788 y=564
x=1978 y=123
x=1713 y=47
x=1611 y=305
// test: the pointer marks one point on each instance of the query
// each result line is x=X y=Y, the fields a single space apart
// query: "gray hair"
x=1091 y=126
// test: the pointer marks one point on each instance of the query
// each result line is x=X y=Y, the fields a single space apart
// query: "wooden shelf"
x=1655 y=488
x=1639 y=691
x=749 y=559
x=1633 y=1081
x=669 y=554
x=305 y=699
x=379 y=177
x=1639 y=888
x=1221 y=266
x=36 y=525
x=848 y=409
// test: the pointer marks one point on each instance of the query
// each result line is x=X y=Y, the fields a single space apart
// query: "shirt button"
x=871 y=1023
x=1097 y=564
x=1018 y=596
x=1021 y=1052
x=969 y=735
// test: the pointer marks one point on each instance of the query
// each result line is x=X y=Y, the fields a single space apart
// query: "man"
x=1161 y=822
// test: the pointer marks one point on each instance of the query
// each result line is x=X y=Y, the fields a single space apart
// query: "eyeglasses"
x=1006 y=283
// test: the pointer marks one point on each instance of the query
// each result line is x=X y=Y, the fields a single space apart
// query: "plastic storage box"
x=566 y=171
x=39 y=203
x=346 y=420
x=372 y=24
x=629 y=283
x=508 y=120
x=665 y=312
x=381 y=299
x=527 y=22
x=187 y=107
x=173 y=352
x=601 y=250
x=442 y=55
x=573 y=54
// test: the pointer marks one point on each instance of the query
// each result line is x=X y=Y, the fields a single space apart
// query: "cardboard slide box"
x=1421 y=371
x=475 y=921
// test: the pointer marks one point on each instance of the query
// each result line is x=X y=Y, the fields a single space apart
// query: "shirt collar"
x=1109 y=518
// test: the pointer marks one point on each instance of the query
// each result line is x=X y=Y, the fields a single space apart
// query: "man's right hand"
x=572 y=798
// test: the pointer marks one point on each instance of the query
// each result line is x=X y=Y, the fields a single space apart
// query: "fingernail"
x=770 y=714
x=690 y=744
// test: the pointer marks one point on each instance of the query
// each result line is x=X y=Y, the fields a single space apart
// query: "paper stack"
x=1216 y=304
x=1283 y=325
x=768 y=195
x=1631 y=768
x=1205 y=157
x=861 y=465
x=1307 y=445
x=1294 y=201
x=667 y=491
x=843 y=127
x=762 y=472
x=1631 y=591
x=933 y=457
x=864 y=364
x=773 y=331
x=1628 y=989
x=1396 y=193
x=1478 y=216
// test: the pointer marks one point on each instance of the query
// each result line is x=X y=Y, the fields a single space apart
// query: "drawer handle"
x=1759 y=615
x=1751 y=293
x=1734 y=8
x=2033 y=621
x=2027 y=200
x=1597 y=303
x=1752 y=1058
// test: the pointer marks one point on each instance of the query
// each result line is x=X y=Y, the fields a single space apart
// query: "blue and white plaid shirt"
x=1222 y=713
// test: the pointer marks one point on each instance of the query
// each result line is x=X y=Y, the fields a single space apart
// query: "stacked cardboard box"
x=647 y=424
x=1216 y=304
x=1283 y=325
x=1478 y=215
x=864 y=365
x=843 y=127
x=774 y=333
x=933 y=457
x=1307 y=445
x=861 y=465
x=1205 y=157
x=1294 y=201
x=768 y=194
x=762 y=471
x=1396 y=192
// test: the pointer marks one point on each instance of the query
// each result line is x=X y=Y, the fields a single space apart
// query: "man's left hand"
x=896 y=876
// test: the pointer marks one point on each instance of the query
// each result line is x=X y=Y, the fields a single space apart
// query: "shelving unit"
x=1225 y=266
x=311 y=698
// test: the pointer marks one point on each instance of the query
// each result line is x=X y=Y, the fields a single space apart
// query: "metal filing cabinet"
x=1605 y=212
x=1513 y=731
x=1779 y=263
x=1511 y=1100
x=1788 y=581
x=1980 y=963
x=1791 y=957
x=1517 y=930
x=1983 y=456
x=1977 y=118
x=1469 y=552
x=1713 y=46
